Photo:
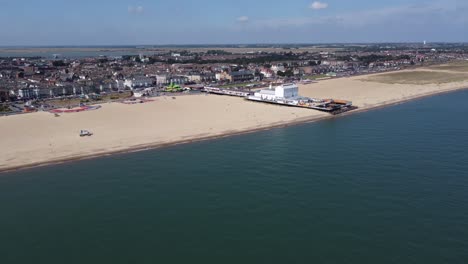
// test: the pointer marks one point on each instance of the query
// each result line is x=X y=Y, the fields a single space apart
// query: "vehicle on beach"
x=84 y=133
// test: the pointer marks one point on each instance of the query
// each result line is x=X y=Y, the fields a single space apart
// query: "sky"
x=162 y=22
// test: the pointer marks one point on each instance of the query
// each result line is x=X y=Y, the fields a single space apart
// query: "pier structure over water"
x=220 y=91
x=288 y=95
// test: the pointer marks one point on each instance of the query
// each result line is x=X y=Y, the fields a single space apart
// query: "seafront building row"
x=37 y=78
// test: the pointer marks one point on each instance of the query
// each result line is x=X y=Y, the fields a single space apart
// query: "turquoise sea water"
x=386 y=186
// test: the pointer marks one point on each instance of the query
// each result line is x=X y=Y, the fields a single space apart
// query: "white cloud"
x=243 y=19
x=443 y=11
x=434 y=20
x=135 y=9
x=318 y=5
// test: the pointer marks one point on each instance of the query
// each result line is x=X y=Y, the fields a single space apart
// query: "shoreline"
x=298 y=121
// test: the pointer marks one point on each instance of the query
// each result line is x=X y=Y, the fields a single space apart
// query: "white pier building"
x=282 y=92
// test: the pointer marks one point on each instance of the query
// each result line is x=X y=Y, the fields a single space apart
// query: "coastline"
x=152 y=146
x=157 y=145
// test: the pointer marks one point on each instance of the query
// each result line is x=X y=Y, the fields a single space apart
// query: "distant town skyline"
x=145 y=22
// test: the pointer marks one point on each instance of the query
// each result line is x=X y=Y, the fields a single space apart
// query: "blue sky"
x=128 y=22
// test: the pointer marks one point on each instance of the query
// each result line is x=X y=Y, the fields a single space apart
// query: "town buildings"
x=32 y=78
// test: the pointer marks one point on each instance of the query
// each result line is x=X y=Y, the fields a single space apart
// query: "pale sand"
x=40 y=138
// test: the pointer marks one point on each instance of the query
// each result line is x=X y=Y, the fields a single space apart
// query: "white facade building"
x=276 y=68
x=267 y=73
x=162 y=79
x=286 y=91
x=26 y=93
x=128 y=83
x=139 y=81
x=120 y=85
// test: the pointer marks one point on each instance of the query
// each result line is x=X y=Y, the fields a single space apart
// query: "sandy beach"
x=41 y=138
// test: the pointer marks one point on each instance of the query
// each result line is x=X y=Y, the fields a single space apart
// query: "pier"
x=329 y=106
x=288 y=95
x=237 y=93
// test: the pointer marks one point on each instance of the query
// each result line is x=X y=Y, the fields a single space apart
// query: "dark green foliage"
x=59 y=63
x=218 y=52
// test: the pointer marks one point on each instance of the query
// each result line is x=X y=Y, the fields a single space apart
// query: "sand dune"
x=38 y=138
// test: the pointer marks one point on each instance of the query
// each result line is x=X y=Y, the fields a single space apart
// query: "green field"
x=4 y=109
x=101 y=99
x=315 y=77
x=418 y=77
x=64 y=102
x=461 y=66
x=116 y=96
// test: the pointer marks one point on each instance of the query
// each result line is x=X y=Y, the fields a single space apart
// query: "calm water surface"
x=387 y=186
x=69 y=53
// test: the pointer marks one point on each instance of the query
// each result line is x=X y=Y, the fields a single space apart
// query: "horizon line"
x=229 y=44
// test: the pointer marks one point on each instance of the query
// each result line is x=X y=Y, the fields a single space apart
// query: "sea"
x=384 y=186
x=78 y=52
